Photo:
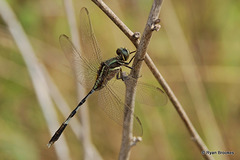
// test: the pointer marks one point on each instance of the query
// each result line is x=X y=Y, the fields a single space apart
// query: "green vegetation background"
x=212 y=32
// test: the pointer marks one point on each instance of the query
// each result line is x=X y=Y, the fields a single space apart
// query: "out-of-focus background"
x=196 y=50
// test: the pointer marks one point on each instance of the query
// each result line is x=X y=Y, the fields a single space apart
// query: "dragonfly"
x=100 y=76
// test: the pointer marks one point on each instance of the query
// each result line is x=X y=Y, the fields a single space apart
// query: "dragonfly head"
x=123 y=53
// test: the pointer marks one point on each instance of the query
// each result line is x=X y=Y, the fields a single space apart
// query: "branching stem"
x=141 y=53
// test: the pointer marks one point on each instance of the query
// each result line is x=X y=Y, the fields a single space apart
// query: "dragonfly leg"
x=130 y=60
x=125 y=64
x=120 y=74
x=128 y=66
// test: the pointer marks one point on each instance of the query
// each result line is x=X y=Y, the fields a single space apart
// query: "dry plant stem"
x=195 y=136
x=90 y=152
x=193 y=80
x=54 y=92
x=131 y=86
x=115 y=19
x=37 y=77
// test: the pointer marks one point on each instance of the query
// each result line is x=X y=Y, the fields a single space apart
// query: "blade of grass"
x=193 y=80
x=90 y=152
x=36 y=74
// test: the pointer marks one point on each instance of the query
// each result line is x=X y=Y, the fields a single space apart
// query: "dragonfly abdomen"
x=65 y=123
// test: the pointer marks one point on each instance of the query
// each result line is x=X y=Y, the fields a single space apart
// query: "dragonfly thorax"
x=105 y=73
x=123 y=53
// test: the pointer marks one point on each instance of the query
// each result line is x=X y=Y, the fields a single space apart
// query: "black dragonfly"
x=98 y=75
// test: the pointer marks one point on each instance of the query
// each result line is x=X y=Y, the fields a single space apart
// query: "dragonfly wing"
x=150 y=95
x=88 y=40
x=113 y=105
x=86 y=73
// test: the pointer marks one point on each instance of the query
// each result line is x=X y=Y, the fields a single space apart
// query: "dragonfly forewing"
x=88 y=40
x=84 y=70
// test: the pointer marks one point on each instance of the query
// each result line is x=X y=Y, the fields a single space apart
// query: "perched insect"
x=97 y=74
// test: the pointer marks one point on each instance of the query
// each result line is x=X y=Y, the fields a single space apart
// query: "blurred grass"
x=212 y=31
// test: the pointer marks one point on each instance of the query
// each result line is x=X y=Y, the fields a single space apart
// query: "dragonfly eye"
x=123 y=53
x=118 y=51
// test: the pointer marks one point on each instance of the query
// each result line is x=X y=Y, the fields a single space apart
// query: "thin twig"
x=195 y=136
x=193 y=80
x=131 y=85
x=36 y=74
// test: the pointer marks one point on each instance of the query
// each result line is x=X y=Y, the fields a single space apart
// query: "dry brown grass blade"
x=193 y=80
x=90 y=152
x=37 y=77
